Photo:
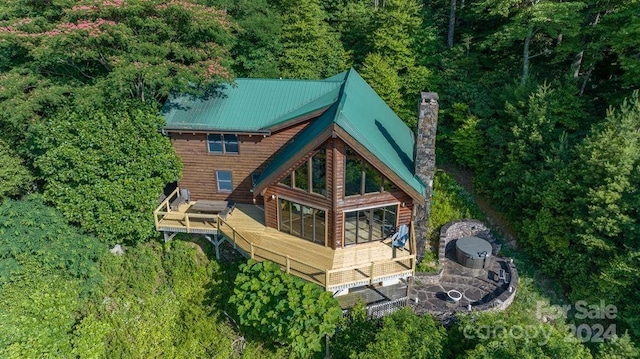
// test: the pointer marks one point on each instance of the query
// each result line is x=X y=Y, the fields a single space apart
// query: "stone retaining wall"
x=468 y=228
x=465 y=228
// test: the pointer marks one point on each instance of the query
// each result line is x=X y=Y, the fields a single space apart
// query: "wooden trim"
x=346 y=210
x=302 y=202
x=291 y=161
x=334 y=193
x=263 y=133
x=377 y=164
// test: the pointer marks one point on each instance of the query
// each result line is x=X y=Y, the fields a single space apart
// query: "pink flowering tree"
x=140 y=49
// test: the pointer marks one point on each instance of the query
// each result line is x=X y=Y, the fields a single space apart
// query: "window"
x=226 y=143
x=225 y=184
x=373 y=224
x=319 y=173
x=286 y=181
x=361 y=177
x=311 y=176
x=352 y=174
x=301 y=176
x=302 y=221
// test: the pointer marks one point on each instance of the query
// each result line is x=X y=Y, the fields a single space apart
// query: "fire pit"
x=454 y=296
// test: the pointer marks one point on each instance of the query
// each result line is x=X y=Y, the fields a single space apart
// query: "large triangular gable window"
x=361 y=177
x=311 y=175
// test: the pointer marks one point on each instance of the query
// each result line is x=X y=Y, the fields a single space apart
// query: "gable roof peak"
x=367 y=119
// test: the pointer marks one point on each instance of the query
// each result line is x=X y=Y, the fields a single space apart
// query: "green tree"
x=467 y=140
x=384 y=80
x=605 y=209
x=55 y=53
x=354 y=21
x=105 y=168
x=534 y=24
x=311 y=49
x=257 y=48
x=14 y=176
x=355 y=332
x=403 y=334
x=140 y=49
x=624 y=29
x=618 y=348
x=502 y=336
x=48 y=271
x=394 y=43
x=283 y=308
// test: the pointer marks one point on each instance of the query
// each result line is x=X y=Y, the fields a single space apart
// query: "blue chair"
x=399 y=239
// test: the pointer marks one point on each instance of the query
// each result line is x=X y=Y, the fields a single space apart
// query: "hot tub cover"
x=474 y=247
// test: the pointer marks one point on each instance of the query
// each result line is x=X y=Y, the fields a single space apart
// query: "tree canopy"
x=105 y=168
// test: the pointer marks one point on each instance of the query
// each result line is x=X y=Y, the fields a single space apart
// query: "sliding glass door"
x=368 y=225
x=302 y=221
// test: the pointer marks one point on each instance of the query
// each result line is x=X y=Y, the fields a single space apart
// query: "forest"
x=539 y=101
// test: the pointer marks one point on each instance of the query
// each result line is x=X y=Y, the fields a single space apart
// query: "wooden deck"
x=333 y=269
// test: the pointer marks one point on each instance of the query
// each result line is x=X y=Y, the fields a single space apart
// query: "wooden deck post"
x=371 y=273
x=186 y=218
x=288 y=265
x=326 y=279
x=251 y=244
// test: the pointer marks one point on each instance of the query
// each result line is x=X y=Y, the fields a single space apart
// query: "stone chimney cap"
x=429 y=96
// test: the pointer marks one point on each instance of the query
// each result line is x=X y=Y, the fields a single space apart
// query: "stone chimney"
x=425 y=164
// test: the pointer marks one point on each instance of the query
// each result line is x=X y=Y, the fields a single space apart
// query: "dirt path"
x=496 y=220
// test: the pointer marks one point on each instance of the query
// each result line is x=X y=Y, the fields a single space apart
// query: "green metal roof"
x=366 y=118
x=256 y=105
x=250 y=105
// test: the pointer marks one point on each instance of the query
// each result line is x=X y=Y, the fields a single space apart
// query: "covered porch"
x=335 y=270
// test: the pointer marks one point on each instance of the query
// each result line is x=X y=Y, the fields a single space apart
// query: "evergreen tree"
x=311 y=49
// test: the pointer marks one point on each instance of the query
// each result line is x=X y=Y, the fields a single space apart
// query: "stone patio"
x=481 y=289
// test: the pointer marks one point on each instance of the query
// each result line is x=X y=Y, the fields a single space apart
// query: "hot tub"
x=474 y=252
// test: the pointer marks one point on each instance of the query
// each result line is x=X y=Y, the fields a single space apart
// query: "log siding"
x=199 y=166
x=255 y=152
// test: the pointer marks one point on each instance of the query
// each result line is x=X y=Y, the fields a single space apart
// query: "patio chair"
x=399 y=239
x=184 y=197
x=186 y=194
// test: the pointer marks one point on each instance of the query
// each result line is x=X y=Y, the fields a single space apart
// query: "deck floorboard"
x=307 y=260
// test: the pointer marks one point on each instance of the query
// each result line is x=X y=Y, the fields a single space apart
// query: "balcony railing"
x=332 y=279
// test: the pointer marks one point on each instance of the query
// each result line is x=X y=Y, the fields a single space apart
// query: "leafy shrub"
x=36 y=240
x=283 y=308
x=14 y=176
x=450 y=202
x=405 y=334
x=468 y=143
x=105 y=168
x=354 y=333
x=47 y=270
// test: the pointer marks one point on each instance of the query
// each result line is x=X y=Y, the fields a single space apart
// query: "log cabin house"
x=320 y=174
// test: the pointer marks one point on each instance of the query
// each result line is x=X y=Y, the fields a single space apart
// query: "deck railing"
x=370 y=273
x=182 y=221
x=287 y=263
x=330 y=279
